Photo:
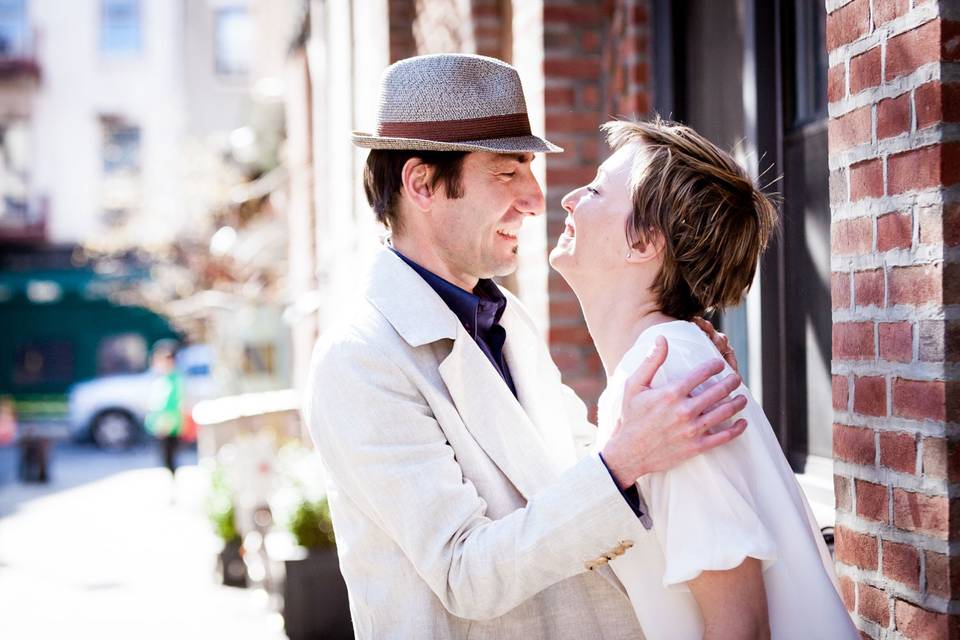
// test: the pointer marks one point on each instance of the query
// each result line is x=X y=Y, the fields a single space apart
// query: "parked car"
x=111 y=410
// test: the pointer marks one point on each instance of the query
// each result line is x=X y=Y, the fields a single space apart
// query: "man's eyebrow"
x=522 y=158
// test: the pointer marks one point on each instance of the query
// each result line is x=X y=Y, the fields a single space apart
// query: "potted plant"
x=222 y=514
x=314 y=595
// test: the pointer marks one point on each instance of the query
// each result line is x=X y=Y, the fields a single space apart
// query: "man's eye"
x=509 y=174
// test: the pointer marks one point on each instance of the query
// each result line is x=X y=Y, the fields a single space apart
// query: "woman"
x=669 y=229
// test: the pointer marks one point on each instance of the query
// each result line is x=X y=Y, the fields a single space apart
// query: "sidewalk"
x=116 y=557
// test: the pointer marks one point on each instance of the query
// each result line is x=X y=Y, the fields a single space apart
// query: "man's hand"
x=719 y=340
x=660 y=428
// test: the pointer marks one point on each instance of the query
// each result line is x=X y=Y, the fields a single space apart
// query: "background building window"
x=14 y=173
x=120 y=26
x=122 y=353
x=259 y=359
x=44 y=361
x=232 y=40
x=13 y=27
x=121 y=147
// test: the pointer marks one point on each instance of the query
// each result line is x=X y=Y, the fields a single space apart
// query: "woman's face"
x=594 y=236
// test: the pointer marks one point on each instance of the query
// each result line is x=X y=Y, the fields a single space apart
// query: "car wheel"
x=114 y=429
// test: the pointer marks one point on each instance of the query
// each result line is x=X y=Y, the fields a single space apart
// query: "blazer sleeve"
x=386 y=451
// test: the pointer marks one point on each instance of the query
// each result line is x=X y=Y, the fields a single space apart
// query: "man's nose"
x=532 y=201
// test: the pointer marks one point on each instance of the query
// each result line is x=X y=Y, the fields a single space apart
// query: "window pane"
x=121 y=148
x=120 y=26
x=123 y=353
x=232 y=41
x=13 y=27
x=44 y=361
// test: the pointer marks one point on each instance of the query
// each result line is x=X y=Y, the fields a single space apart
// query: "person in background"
x=165 y=419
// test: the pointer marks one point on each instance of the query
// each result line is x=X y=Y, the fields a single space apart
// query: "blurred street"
x=112 y=548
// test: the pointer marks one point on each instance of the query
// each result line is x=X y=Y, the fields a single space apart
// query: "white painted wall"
x=78 y=85
x=169 y=89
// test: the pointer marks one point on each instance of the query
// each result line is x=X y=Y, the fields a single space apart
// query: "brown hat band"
x=508 y=126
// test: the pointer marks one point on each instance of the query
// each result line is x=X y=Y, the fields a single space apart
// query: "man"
x=465 y=500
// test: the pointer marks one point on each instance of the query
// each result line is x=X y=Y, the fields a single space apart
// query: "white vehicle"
x=111 y=409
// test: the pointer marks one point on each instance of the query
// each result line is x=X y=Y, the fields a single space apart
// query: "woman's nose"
x=569 y=201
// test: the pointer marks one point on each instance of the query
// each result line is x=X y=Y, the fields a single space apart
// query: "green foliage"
x=220 y=508
x=223 y=517
x=311 y=526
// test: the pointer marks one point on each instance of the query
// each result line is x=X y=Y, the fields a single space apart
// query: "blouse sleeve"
x=704 y=510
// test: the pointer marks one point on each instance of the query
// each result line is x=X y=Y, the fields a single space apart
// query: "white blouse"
x=712 y=512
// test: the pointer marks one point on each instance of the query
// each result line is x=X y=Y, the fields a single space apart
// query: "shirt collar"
x=478 y=310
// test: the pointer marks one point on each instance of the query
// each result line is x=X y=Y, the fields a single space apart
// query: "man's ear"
x=417 y=178
x=646 y=249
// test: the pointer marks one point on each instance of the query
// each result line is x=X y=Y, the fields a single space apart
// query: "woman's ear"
x=417 y=181
x=646 y=249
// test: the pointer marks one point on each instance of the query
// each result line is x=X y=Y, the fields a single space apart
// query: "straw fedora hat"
x=452 y=102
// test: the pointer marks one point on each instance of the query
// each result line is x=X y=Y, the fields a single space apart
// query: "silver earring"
x=629 y=254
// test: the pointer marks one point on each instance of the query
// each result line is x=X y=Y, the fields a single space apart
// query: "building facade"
x=103 y=103
x=846 y=109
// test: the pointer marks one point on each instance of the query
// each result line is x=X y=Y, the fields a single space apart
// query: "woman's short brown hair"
x=714 y=221
x=383 y=177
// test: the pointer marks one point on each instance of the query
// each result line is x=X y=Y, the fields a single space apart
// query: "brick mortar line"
x=932 y=197
x=930 y=254
x=897 y=590
x=939 y=133
x=896 y=424
x=890 y=533
x=897 y=479
x=916 y=17
x=925 y=73
x=915 y=372
x=898 y=313
x=833 y=5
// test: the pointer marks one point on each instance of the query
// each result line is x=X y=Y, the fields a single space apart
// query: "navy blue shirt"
x=480 y=313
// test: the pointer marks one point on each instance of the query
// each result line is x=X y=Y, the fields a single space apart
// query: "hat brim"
x=518 y=144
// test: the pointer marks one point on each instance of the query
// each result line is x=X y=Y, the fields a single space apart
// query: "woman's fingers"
x=720 y=341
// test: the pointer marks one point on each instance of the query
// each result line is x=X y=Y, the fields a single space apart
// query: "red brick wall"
x=894 y=163
x=595 y=65
x=487 y=23
x=488 y=28
x=402 y=42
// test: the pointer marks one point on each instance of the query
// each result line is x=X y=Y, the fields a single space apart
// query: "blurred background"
x=180 y=172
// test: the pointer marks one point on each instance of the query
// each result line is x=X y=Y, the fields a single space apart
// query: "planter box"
x=230 y=565
x=315 y=601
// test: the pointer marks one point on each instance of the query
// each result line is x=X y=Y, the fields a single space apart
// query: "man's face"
x=476 y=235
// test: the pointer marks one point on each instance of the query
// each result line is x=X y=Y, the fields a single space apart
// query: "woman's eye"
x=593 y=191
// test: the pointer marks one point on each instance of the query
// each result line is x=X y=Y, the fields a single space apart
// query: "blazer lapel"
x=488 y=409
x=522 y=353
x=495 y=419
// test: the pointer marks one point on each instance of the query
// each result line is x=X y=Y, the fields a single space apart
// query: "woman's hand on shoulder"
x=719 y=340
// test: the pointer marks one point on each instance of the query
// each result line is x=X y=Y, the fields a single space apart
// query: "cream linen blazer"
x=460 y=512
